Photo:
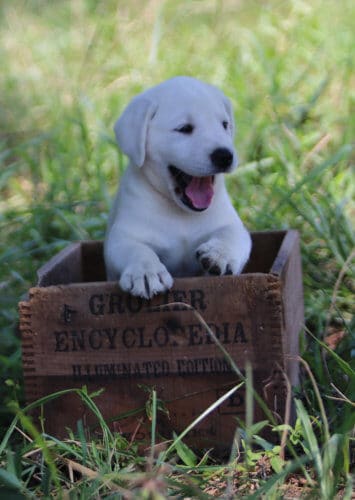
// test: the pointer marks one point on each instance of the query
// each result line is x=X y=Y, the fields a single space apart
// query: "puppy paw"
x=217 y=259
x=146 y=280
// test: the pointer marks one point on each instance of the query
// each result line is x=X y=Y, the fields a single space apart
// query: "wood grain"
x=90 y=332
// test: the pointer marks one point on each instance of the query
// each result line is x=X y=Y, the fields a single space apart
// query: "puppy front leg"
x=226 y=251
x=138 y=270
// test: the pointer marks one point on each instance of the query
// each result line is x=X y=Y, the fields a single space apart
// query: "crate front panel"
x=95 y=330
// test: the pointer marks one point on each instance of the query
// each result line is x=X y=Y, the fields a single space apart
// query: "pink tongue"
x=200 y=191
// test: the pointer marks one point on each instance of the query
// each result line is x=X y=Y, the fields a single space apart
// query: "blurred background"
x=67 y=69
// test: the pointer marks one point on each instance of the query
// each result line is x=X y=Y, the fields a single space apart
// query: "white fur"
x=152 y=235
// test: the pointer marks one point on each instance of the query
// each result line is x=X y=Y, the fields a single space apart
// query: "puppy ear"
x=131 y=128
x=228 y=105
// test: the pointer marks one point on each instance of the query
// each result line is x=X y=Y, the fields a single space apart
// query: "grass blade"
x=201 y=417
x=312 y=448
x=10 y=480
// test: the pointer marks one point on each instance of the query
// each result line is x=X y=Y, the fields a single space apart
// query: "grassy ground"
x=67 y=70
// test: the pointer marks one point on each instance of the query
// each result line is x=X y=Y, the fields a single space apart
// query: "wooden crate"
x=77 y=329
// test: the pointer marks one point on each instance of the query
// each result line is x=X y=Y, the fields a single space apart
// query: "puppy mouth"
x=195 y=192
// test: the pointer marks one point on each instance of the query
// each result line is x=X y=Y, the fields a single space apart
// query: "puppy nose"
x=222 y=159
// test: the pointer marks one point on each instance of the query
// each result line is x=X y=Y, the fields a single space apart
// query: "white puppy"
x=172 y=215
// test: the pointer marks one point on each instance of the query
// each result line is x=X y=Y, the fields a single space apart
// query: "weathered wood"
x=65 y=267
x=78 y=329
x=288 y=267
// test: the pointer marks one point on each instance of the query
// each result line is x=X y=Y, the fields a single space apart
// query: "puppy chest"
x=179 y=256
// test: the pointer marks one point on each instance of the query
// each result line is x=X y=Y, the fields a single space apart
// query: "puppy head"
x=181 y=133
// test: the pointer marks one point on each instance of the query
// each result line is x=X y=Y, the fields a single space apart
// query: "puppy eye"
x=225 y=125
x=185 y=129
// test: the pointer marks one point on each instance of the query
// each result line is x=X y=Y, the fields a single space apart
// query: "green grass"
x=67 y=70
